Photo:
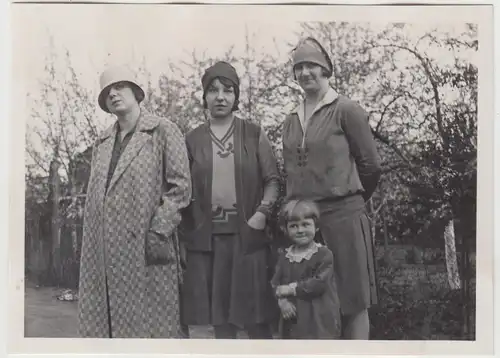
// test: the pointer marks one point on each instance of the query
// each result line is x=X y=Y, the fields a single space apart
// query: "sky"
x=100 y=35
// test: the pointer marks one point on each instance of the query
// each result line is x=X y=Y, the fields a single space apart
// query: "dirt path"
x=46 y=316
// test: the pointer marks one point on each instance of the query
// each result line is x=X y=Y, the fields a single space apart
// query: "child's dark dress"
x=316 y=301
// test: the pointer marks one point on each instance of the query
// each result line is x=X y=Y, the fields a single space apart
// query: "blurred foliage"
x=418 y=85
x=424 y=309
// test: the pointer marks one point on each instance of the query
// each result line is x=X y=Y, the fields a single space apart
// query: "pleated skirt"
x=226 y=286
x=345 y=229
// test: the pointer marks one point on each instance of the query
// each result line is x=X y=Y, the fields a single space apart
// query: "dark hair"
x=227 y=83
x=138 y=94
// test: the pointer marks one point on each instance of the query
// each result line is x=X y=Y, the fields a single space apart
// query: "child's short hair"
x=299 y=209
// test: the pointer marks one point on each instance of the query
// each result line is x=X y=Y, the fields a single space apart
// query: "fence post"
x=55 y=184
x=74 y=236
x=451 y=256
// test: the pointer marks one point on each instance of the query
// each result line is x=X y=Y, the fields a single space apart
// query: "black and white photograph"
x=199 y=173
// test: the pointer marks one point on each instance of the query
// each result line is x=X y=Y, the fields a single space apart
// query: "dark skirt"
x=226 y=286
x=345 y=229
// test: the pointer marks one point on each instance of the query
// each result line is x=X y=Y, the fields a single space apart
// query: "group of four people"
x=174 y=227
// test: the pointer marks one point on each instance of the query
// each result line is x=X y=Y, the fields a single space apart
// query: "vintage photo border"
x=483 y=15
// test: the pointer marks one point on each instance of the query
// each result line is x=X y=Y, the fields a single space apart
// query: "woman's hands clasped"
x=257 y=221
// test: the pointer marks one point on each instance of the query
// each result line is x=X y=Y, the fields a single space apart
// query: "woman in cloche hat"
x=139 y=182
x=235 y=184
x=330 y=156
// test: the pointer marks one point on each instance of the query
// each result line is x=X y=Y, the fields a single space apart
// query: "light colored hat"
x=114 y=75
x=310 y=50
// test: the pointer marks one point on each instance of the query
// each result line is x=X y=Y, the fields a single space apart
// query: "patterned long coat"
x=149 y=187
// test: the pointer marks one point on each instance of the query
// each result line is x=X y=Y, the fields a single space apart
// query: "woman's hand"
x=257 y=221
x=287 y=308
x=159 y=249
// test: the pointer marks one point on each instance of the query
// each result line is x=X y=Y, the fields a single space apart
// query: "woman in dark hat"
x=330 y=156
x=235 y=184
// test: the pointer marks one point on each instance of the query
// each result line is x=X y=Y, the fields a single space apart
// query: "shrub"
x=423 y=310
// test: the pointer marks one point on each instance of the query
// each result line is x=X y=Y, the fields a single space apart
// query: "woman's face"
x=220 y=99
x=121 y=98
x=301 y=231
x=309 y=76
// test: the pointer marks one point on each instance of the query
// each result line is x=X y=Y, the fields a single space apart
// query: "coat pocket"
x=160 y=250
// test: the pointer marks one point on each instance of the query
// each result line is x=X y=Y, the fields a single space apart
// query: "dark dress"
x=316 y=300
x=227 y=276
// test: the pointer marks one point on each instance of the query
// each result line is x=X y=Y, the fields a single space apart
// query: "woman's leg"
x=184 y=331
x=259 y=331
x=357 y=326
x=225 y=331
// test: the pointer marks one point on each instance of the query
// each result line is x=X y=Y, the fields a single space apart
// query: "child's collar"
x=303 y=255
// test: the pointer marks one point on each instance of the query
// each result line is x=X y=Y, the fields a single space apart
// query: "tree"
x=63 y=115
x=419 y=87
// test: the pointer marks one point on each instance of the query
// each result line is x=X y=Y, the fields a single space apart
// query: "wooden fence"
x=53 y=233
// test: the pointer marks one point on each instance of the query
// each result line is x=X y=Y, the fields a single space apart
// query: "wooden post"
x=451 y=256
x=55 y=184
x=73 y=220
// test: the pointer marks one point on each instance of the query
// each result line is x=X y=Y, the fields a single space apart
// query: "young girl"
x=303 y=281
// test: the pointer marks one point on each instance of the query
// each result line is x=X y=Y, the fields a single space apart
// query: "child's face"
x=301 y=231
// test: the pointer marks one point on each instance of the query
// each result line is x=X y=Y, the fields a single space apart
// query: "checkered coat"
x=150 y=185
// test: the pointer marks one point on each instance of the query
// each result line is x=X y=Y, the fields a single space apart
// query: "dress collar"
x=303 y=255
x=330 y=96
x=145 y=122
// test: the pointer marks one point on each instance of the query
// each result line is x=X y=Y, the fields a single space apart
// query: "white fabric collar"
x=330 y=96
x=304 y=255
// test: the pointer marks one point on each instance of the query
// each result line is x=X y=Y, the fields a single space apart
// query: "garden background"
x=419 y=84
